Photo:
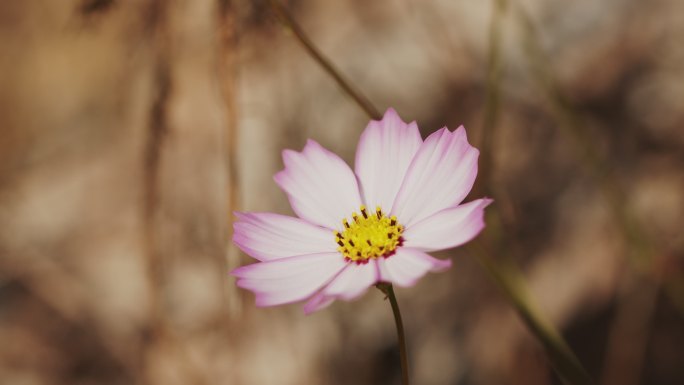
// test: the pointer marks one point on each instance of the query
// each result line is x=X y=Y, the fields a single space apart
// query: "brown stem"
x=289 y=21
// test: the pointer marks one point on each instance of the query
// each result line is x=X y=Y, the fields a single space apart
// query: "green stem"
x=512 y=284
x=492 y=97
x=401 y=338
x=502 y=270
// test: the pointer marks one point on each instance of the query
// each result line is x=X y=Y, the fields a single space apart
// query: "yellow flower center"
x=369 y=236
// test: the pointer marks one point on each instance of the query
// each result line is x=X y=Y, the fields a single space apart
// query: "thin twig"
x=360 y=99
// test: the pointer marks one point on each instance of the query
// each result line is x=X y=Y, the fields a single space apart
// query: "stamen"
x=369 y=236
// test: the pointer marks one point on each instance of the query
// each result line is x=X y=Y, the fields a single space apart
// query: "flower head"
x=359 y=228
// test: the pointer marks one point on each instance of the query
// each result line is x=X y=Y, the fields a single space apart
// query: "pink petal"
x=267 y=236
x=321 y=187
x=407 y=265
x=317 y=302
x=448 y=228
x=289 y=279
x=349 y=284
x=384 y=153
x=440 y=176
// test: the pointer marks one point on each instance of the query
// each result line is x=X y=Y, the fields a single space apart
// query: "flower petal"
x=267 y=236
x=407 y=265
x=349 y=284
x=447 y=228
x=317 y=302
x=321 y=187
x=291 y=279
x=384 y=153
x=440 y=176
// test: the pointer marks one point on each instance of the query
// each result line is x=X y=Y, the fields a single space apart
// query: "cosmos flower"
x=359 y=228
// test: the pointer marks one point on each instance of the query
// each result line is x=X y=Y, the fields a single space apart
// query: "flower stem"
x=403 y=356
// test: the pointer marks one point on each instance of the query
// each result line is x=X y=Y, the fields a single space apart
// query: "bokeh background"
x=130 y=130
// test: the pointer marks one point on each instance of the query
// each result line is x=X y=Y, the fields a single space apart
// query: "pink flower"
x=356 y=229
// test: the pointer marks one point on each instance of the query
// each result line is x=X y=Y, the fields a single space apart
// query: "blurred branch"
x=493 y=96
x=228 y=33
x=159 y=334
x=508 y=278
x=156 y=132
x=624 y=360
x=641 y=248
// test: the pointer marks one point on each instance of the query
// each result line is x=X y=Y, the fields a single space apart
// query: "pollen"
x=369 y=235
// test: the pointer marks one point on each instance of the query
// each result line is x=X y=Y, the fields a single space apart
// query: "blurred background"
x=130 y=130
